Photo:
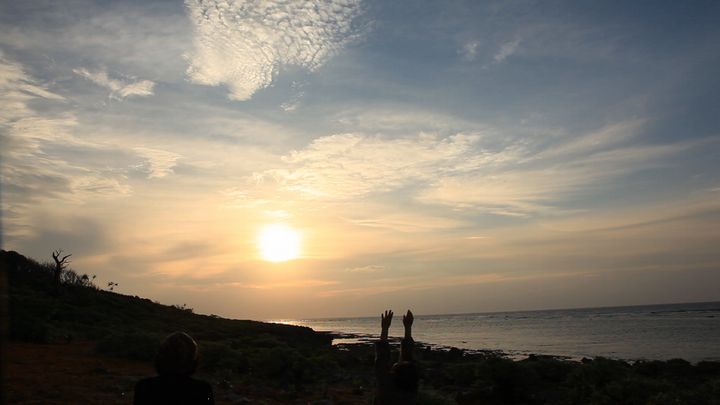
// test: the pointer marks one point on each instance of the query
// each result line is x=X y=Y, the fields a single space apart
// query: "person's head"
x=177 y=355
x=405 y=376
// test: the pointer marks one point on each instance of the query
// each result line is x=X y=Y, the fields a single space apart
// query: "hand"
x=386 y=319
x=408 y=319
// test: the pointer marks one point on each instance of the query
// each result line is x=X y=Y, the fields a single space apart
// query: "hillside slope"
x=39 y=314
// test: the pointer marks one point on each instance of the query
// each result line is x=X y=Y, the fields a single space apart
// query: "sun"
x=279 y=243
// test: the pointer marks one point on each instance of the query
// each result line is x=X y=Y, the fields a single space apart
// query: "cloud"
x=193 y=285
x=17 y=90
x=244 y=199
x=469 y=50
x=242 y=44
x=427 y=282
x=506 y=50
x=543 y=178
x=349 y=165
x=404 y=119
x=159 y=163
x=119 y=89
x=468 y=171
x=367 y=269
x=33 y=167
x=403 y=221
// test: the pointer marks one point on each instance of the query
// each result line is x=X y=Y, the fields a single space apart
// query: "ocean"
x=649 y=332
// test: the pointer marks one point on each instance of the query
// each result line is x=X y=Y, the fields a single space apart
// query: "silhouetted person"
x=175 y=362
x=396 y=385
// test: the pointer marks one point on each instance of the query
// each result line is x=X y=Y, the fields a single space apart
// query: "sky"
x=297 y=159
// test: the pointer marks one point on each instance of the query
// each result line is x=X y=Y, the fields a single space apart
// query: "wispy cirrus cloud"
x=34 y=171
x=242 y=44
x=521 y=178
x=158 y=163
x=31 y=170
x=194 y=286
x=119 y=89
x=367 y=269
x=350 y=165
x=424 y=283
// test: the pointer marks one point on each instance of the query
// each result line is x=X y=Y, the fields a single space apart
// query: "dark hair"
x=405 y=376
x=177 y=355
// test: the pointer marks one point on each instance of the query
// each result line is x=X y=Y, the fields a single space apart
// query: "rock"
x=455 y=354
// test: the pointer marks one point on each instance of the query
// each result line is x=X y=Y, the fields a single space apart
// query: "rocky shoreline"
x=355 y=341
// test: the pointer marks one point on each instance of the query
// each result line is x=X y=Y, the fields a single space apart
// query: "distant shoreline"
x=289 y=321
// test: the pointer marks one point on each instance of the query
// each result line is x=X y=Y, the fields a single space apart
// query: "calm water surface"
x=690 y=331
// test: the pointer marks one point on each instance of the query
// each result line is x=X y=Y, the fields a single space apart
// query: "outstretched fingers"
x=386 y=319
x=408 y=319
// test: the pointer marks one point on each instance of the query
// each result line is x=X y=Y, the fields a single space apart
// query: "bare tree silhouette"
x=60 y=265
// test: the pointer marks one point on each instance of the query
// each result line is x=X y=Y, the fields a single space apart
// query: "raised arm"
x=407 y=322
x=408 y=344
x=385 y=321
x=383 y=375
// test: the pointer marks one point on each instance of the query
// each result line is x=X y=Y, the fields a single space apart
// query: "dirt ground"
x=73 y=373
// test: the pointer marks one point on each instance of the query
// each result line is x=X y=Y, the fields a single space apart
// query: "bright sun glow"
x=279 y=243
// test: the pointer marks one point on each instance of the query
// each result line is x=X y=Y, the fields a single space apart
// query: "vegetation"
x=132 y=327
x=293 y=359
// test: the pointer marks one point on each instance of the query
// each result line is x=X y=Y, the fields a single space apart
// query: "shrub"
x=266 y=341
x=679 y=367
x=241 y=343
x=22 y=270
x=634 y=391
x=324 y=360
x=552 y=370
x=182 y=307
x=586 y=380
x=70 y=277
x=709 y=393
x=139 y=345
x=218 y=356
x=210 y=335
x=30 y=317
x=708 y=367
x=309 y=369
x=224 y=377
x=504 y=377
x=675 y=370
x=272 y=363
x=654 y=368
x=462 y=373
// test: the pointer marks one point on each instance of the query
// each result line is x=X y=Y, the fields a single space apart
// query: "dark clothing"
x=386 y=391
x=173 y=390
